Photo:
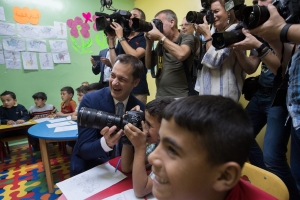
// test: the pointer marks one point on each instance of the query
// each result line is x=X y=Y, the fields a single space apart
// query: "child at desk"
x=41 y=109
x=144 y=142
x=68 y=105
x=204 y=143
x=81 y=91
x=12 y=113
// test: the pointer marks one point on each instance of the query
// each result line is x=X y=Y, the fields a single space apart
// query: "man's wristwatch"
x=258 y=51
x=121 y=39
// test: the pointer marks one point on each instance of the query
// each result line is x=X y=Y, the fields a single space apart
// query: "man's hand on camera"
x=154 y=34
x=250 y=42
x=136 y=136
x=270 y=30
x=118 y=29
x=111 y=36
x=110 y=138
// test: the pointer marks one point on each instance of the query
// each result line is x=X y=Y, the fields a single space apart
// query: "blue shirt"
x=293 y=93
x=135 y=42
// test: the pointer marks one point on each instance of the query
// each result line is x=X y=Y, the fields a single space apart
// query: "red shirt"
x=69 y=107
x=244 y=190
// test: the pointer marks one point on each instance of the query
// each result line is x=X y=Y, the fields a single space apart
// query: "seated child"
x=204 y=143
x=81 y=91
x=68 y=105
x=144 y=142
x=12 y=113
x=41 y=109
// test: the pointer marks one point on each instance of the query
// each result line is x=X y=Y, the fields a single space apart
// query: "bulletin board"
x=47 y=45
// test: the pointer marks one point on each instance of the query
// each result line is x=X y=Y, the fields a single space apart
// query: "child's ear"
x=228 y=177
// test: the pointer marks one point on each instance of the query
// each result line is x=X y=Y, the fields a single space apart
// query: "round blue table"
x=45 y=136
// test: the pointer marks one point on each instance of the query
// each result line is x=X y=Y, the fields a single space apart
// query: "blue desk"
x=45 y=136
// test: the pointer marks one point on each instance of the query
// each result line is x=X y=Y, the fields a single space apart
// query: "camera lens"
x=140 y=25
x=255 y=16
x=102 y=23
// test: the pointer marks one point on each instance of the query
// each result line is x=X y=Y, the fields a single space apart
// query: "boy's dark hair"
x=13 y=95
x=222 y=126
x=82 y=89
x=156 y=107
x=95 y=86
x=137 y=65
x=68 y=89
x=40 y=95
x=143 y=16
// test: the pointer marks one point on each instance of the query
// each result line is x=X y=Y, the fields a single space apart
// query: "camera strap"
x=159 y=67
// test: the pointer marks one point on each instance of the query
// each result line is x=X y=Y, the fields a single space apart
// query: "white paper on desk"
x=58 y=120
x=42 y=119
x=65 y=128
x=126 y=195
x=90 y=182
x=66 y=123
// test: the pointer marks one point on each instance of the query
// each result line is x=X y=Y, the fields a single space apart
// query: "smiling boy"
x=144 y=142
x=204 y=143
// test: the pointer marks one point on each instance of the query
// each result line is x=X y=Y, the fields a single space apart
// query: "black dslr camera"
x=92 y=118
x=197 y=17
x=139 y=25
x=104 y=20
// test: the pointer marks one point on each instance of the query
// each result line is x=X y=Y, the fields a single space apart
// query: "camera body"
x=197 y=17
x=139 y=25
x=93 y=118
x=104 y=21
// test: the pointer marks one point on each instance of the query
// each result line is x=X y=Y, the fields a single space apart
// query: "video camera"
x=92 y=118
x=254 y=16
x=140 y=25
x=104 y=20
x=197 y=17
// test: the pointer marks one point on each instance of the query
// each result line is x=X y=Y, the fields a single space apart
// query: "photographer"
x=271 y=31
x=135 y=45
x=222 y=73
x=94 y=146
x=178 y=55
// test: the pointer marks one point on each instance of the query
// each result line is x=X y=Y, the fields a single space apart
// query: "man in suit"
x=103 y=67
x=93 y=145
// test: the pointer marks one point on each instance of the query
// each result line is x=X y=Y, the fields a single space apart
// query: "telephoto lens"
x=224 y=39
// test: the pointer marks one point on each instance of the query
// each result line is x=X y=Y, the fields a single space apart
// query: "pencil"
x=119 y=161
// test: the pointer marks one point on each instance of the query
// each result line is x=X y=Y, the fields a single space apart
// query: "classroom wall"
x=24 y=82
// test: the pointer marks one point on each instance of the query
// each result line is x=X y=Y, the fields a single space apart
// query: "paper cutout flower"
x=77 y=26
x=94 y=20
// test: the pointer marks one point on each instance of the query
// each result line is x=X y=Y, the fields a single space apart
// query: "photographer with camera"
x=94 y=146
x=222 y=73
x=178 y=54
x=277 y=33
x=135 y=45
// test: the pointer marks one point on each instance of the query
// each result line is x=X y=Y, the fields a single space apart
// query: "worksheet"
x=90 y=182
x=66 y=123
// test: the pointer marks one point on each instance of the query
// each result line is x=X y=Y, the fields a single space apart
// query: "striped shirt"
x=46 y=110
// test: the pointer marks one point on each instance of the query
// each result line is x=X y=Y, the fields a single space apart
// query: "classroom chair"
x=265 y=181
x=4 y=146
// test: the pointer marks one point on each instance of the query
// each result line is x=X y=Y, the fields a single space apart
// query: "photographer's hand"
x=136 y=136
x=250 y=42
x=110 y=138
x=118 y=29
x=154 y=34
x=203 y=29
x=270 y=30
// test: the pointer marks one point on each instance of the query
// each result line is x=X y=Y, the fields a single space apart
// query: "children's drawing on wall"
x=13 y=44
x=12 y=60
x=80 y=30
x=61 y=29
x=27 y=31
x=25 y=15
x=47 y=32
x=0 y=45
x=7 y=29
x=61 y=57
x=2 y=14
x=58 y=45
x=29 y=61
x=36 y=45
x=46 y=61
x=2 y=61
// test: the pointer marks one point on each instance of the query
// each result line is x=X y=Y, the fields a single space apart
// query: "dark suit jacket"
x=88 y=151
x=99 y=68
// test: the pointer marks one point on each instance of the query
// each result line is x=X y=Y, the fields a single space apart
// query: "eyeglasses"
x=187 y=24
